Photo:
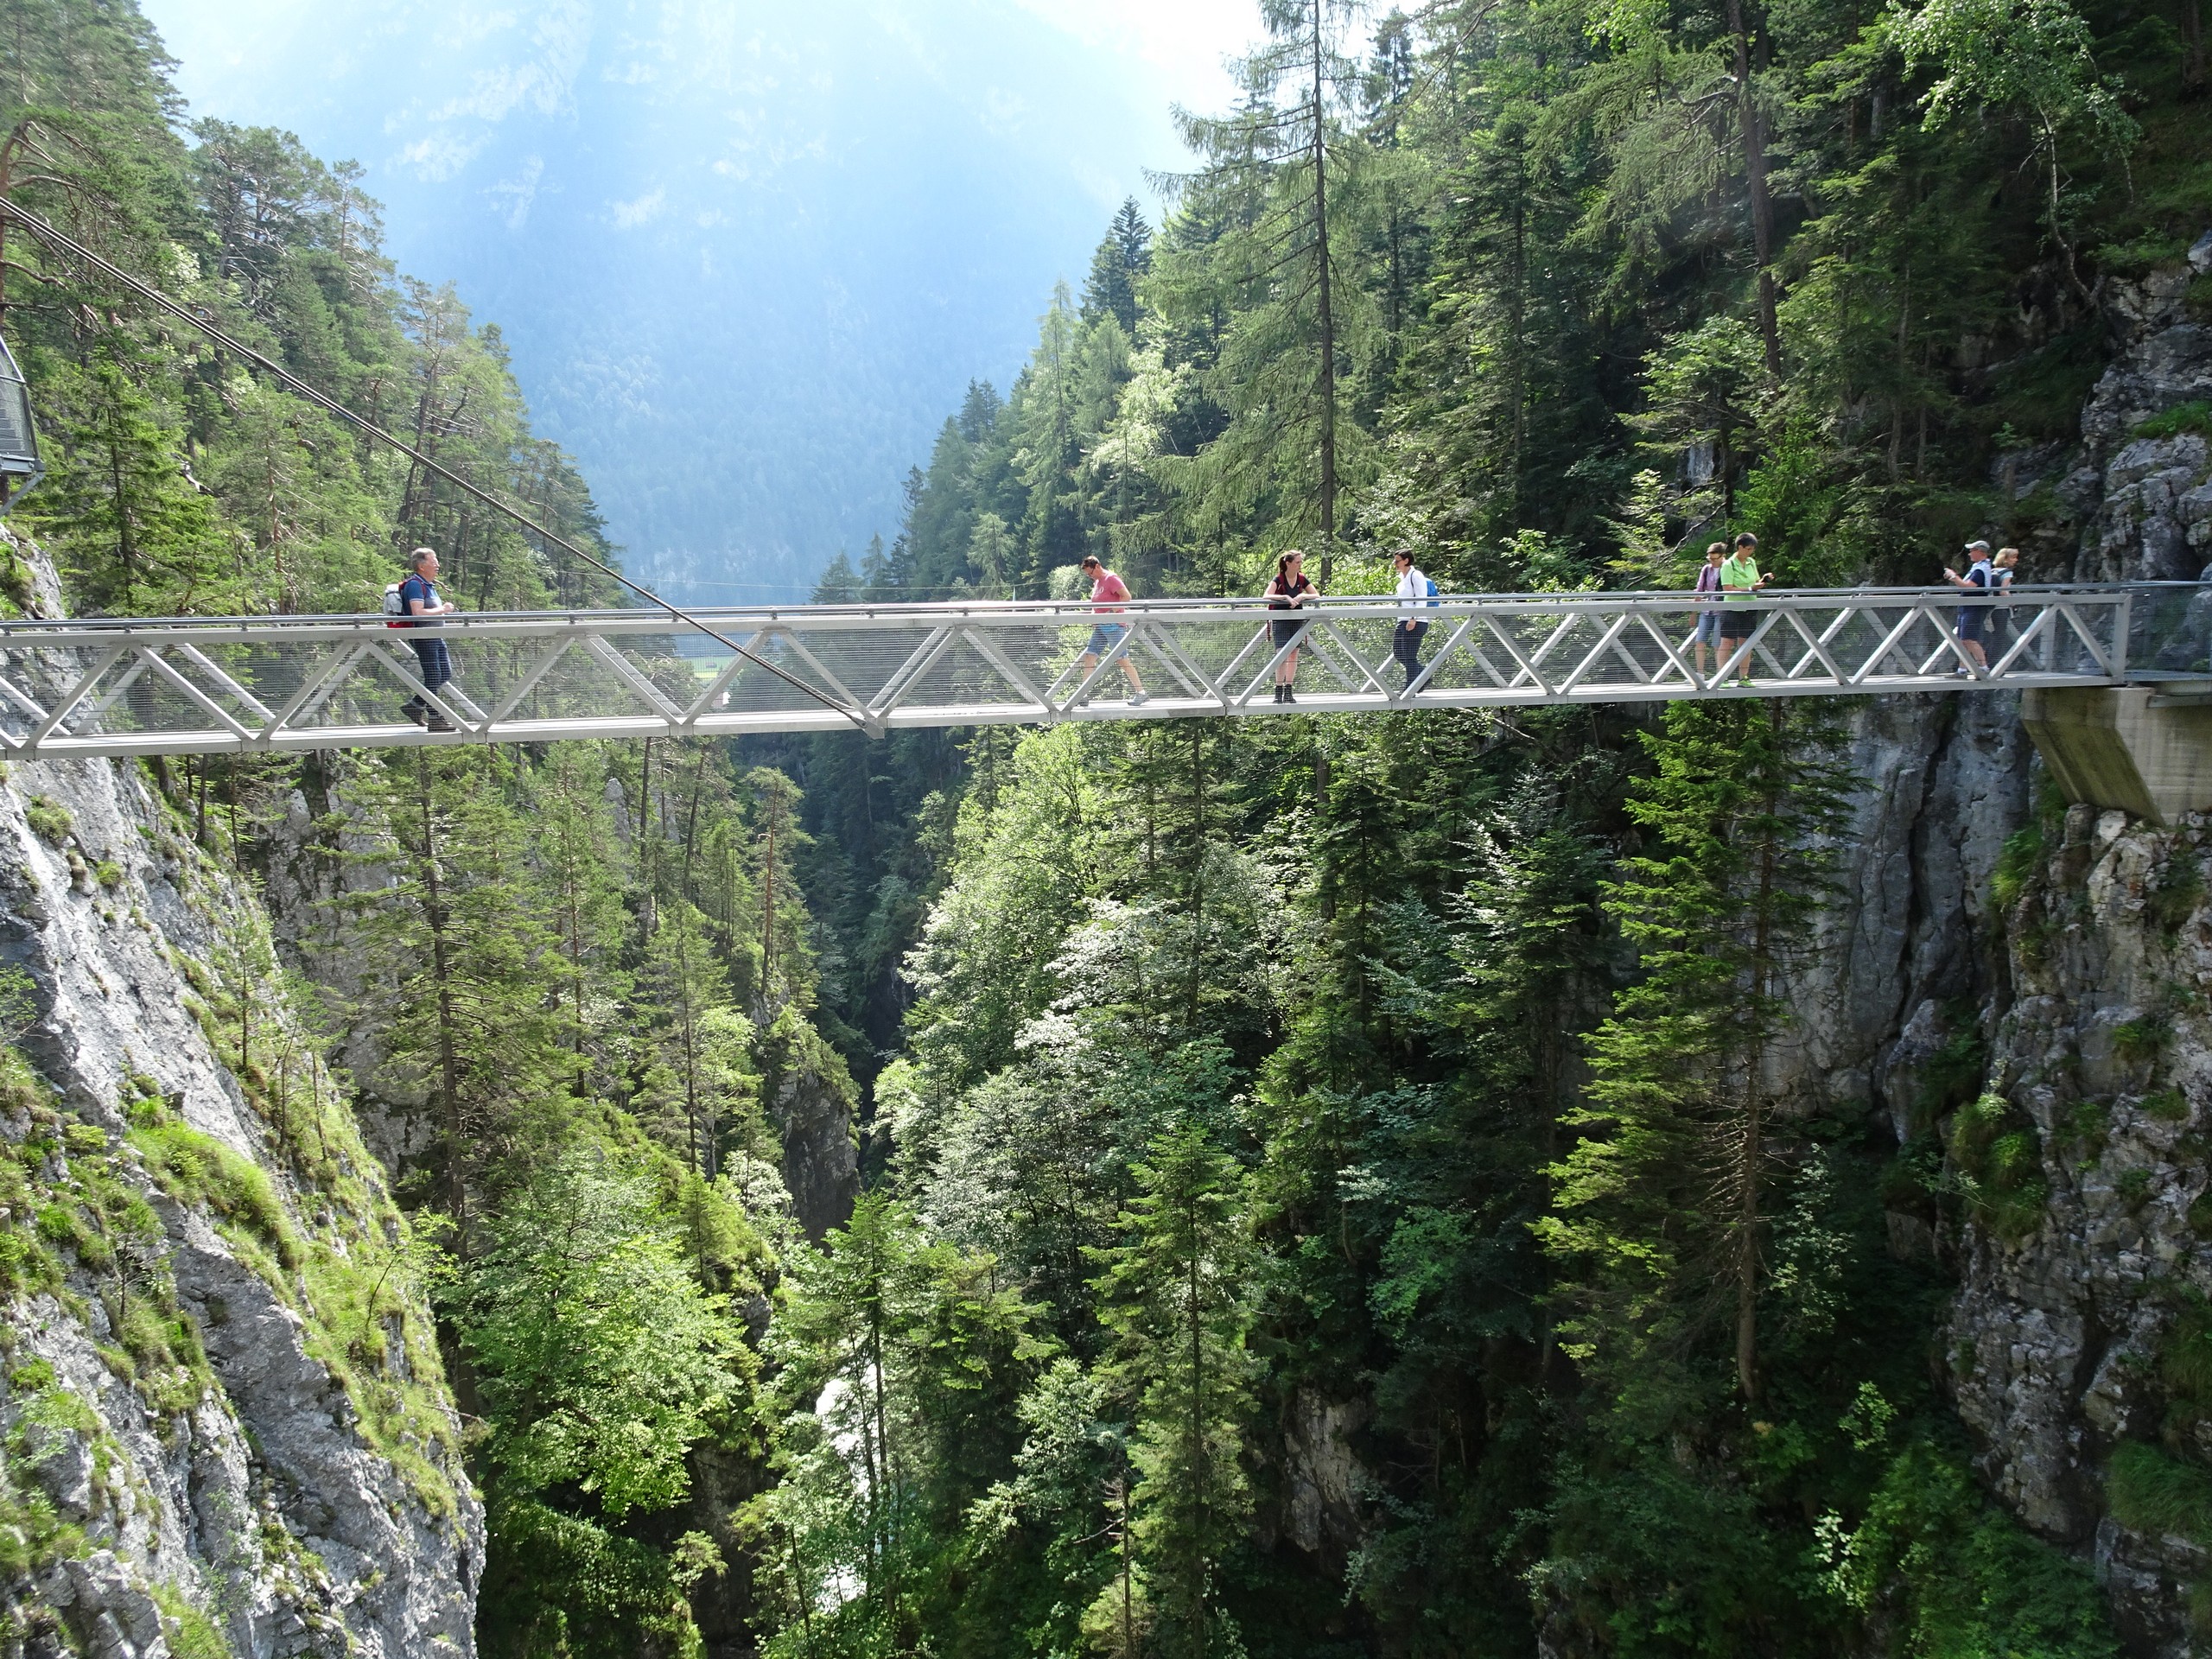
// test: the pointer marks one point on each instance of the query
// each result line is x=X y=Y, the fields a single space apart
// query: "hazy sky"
x=745 y=258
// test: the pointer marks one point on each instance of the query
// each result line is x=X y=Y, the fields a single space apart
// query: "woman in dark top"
x=1288 y=592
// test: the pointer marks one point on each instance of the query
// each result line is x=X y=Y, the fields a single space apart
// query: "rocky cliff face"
x=222 y=1419
x=2081 y=1269
x=2080 y=1248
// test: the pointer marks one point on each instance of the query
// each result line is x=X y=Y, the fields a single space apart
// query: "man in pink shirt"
x=1108 y=593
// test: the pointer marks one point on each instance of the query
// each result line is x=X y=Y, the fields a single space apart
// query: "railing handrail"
x=1072 y=611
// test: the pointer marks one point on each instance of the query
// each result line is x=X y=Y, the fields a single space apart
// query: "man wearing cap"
x=1980 y=578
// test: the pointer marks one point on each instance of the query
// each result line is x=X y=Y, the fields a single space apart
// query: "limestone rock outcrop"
x=222 y=1421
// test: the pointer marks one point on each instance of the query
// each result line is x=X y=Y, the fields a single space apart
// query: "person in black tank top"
x=1289 y=591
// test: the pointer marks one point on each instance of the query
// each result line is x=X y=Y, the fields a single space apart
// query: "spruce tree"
x=1173 y=1295
x=1661 y=1205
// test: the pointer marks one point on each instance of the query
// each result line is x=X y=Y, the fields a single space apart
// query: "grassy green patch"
x=349 y=1299
x=2017 y=863
x=2167 y=1105
x=49 y=820
x=191 y=1633
x=196 y=1168
x=2141 y=1039
x=2151 y=1490
x=2186 y=417
x=1998 y=1157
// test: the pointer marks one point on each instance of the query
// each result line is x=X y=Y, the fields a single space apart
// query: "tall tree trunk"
x=1198 y=1464
x=1754 y=126
x=886 y=1521
x=1518 y=309
x=1129 y=1597
x=1751 y=1174
x=1328 y=319
x=768 y=903
x=1197 y=872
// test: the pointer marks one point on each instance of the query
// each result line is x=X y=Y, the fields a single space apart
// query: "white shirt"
x=1412 y=586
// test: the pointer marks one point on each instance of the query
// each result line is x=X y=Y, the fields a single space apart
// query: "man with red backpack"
x=419 y=600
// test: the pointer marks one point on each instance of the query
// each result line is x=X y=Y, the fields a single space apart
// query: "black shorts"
x=1283 y=632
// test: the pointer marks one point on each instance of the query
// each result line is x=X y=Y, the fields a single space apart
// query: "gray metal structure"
x=20 y=465
x=229 y=685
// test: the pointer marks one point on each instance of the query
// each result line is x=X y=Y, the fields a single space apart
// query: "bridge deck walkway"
x=116 y=687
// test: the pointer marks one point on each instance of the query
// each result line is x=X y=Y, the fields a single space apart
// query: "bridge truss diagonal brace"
x=75 y=695
x=116 y=687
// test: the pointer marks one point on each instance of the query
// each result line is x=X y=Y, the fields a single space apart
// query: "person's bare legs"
x=1128 y=671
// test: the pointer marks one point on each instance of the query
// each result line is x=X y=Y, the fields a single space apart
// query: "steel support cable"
x=153 y=295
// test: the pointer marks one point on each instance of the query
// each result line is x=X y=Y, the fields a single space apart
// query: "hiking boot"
x=1289 y=696
x=414 y=711
x=438 y=722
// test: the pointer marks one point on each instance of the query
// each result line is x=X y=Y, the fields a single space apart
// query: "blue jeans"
x=1405 y=645
x=1708 y=628
x=437 y=666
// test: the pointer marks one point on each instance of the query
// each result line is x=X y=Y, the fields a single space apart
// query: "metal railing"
x=176 y=685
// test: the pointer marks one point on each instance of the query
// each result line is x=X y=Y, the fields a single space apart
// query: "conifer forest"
x=1294 y=1187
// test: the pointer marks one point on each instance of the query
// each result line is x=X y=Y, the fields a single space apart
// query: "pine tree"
x=136 y=535
x=1124 y=255
x=1283 y=172
x=1174 y=1296
x=1661 y=1205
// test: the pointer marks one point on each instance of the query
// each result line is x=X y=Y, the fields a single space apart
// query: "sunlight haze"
x=744 y=267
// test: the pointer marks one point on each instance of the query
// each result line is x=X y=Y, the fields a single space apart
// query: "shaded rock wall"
x=2057 y=1332
x=219 y=1395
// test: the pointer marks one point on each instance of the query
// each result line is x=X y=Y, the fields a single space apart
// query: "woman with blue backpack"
x=1415 y=592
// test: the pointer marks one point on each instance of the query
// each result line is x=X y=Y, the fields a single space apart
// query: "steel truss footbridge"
x=177 y=685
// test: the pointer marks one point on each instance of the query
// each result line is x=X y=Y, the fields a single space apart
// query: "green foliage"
x=1955 y=1576
x=2018 y=863
x=2153 y=1492
x=1998 y=1158
x=1741 y=807
x=563 y=1584
x=1172 y=1296
x=602 y=1357
x=49 y=819
x=2175 y=897
x=2142 y=1038
x=2182 y=417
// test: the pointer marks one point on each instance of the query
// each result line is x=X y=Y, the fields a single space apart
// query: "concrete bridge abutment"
x=2142 y=749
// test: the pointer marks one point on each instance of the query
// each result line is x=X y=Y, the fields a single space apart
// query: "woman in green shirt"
x=1739 y=581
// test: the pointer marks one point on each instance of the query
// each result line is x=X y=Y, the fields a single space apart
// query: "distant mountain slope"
x=742 y=271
